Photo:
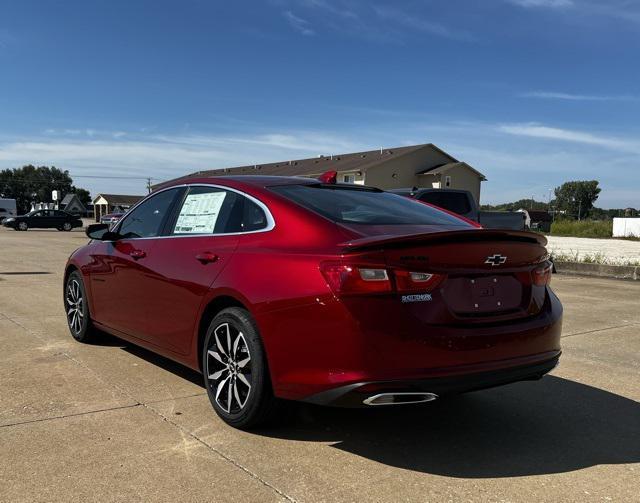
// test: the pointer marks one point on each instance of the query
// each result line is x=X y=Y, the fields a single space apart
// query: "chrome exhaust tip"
x=400 y=398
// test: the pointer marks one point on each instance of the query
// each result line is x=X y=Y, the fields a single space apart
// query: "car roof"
x=251 y=180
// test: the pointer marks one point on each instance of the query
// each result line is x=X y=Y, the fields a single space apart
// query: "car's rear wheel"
x=235 y=370
x=23 y=226
x=66 y=226
x=77 y=309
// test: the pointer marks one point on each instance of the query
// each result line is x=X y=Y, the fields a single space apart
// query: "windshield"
x=365 y=206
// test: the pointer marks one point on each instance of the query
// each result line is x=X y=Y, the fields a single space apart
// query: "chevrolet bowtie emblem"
x=495 y=260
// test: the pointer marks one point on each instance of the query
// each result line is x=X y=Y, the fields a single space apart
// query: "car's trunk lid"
x=488 y=272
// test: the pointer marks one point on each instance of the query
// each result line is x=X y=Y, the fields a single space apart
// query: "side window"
x=147 y=219
x=58 y=213
x=254 y=218
x=209 y=210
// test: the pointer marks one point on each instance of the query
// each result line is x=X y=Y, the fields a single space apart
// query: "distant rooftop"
x=355 y=161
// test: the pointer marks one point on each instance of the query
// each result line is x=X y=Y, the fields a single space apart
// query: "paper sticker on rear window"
x=199 y=213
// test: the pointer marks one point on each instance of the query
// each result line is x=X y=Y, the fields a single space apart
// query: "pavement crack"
x=600 y=329
x=157 y=413
x=222 y=454
x=65 y=416
x=174 y=398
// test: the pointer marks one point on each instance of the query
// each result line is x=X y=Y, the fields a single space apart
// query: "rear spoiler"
x=461 y=236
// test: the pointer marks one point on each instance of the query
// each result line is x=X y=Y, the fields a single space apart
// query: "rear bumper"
x=323 y=347
x=354 y=395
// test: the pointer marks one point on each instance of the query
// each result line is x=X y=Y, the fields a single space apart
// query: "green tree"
x=527 y=204
x=576 y=198
x=30 y=184
x=83 y=195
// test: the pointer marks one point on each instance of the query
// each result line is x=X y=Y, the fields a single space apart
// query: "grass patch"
x=582 y=228
x=592 y=258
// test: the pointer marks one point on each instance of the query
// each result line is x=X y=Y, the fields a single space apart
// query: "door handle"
x=138 y=254
x=206 y=257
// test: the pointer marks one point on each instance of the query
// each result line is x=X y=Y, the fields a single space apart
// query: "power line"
x=116 y=177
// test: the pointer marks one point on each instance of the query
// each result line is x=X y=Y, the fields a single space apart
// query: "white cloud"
x=162 y=156
x=89 y=132
x=543 y=3
x=576 y=97
x=626 y=10
x=535 y=130
x=419 y=24
x=375 y=23
x=518 y=159
x=301 y=25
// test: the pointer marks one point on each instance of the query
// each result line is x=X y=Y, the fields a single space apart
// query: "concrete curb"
x=600 y=270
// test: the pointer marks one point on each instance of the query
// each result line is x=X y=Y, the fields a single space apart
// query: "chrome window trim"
x=271 y=223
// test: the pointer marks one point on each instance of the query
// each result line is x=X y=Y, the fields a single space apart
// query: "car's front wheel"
x=235 y=371
x=77 y=308
x=67 y=226
x=23 y=226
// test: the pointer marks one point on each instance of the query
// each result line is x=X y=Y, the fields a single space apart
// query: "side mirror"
x=101 y=232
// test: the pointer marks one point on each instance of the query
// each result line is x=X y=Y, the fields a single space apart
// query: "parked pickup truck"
x=463 y=203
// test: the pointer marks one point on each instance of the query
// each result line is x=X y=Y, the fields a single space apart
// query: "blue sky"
x=530 y=92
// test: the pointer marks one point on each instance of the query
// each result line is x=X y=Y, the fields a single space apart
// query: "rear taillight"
x=408 y=281
x=541 y=275
x=362 y=279
x=345 y=279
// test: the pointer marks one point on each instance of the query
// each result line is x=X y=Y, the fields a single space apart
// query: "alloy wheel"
x=229 y=368
x=67 y=226
x=23 y=226
x=75 y=306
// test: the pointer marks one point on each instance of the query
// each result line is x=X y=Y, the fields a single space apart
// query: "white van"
x=7 y=208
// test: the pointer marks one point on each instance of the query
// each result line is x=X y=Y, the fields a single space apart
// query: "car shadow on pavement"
x=530 y=428
x=179 y=370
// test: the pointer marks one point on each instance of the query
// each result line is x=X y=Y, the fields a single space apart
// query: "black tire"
x=76 y=309
x=238 y=405
x=22 y=226
x=67 y=226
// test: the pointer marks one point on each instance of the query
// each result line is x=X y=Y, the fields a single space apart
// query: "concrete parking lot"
x=112 y=422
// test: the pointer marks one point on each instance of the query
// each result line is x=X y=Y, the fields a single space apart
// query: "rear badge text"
x=425 y=297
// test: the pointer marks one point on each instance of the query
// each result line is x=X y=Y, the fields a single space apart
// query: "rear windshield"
x=363 y=206
x=457 y=202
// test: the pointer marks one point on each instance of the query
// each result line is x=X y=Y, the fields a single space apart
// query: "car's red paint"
x=317 y=340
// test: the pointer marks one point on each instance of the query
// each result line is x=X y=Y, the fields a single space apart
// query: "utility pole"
x=149 y=185
x=579 y=208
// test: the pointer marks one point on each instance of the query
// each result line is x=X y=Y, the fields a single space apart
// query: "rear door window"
x=209 y=210
x=213 y=210
x=365 y=206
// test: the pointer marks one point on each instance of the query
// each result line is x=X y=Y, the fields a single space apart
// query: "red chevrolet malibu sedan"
x=338 y=294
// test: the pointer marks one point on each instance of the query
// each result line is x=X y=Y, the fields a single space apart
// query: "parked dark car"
x=336 y=294
x=44 y=219
x=4 y=213
x=462 y=203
